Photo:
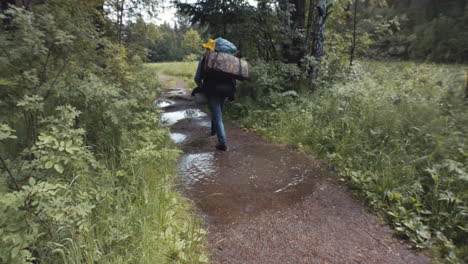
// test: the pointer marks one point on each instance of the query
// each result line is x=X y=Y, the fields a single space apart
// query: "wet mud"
x=266 y=203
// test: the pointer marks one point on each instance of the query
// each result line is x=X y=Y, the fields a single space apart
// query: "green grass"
x=182 y=70
x=397 y=133
x=156 y=224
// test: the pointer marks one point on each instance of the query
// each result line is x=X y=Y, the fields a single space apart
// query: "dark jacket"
x=213 y=83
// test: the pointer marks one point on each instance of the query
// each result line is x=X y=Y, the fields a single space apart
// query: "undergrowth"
x=86 y=171
x=395 y=131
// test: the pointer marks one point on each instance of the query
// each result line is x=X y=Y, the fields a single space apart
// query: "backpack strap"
x=240 y=66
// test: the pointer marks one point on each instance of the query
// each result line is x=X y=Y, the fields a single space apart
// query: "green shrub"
x=86 y=172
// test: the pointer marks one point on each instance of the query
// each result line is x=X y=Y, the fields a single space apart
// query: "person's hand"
x=196 y=90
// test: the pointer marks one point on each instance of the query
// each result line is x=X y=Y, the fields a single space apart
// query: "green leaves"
x=6 y=132
x=31 y=103
x=191 y=43
x=58 y=167
x=22 y=212
x=86 y=146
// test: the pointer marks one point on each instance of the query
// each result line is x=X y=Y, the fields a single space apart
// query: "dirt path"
x=265 y=203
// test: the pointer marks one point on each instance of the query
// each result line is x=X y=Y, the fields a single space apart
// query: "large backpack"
x=219 y=84
x=225 y=64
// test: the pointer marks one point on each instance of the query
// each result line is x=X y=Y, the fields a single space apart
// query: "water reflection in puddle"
x=177 y=137
x=294 y=182
x=204 y=123
x=177 y=91
x=161 y=103
x=171 y=118
x=196 y=167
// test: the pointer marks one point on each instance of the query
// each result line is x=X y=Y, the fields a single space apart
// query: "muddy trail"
x=266 y=203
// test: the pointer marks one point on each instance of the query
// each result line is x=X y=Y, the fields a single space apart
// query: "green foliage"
x=172 y=43
x=40 y=214
x=60 y=146
x=86 y=173
x=256 y=31
x=6 y=132
x=425 y=30
x=441 y=39
x=396 y=132
x=268 y=78
x=191 y=43
x=139 y=37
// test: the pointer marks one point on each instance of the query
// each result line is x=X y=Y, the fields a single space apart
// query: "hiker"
x=217 y=88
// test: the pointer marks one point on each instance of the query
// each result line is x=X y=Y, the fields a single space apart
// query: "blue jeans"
x=216 y=104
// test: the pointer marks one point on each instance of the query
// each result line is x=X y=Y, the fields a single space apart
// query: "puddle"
x=162 y=103
x=196 y=167
x=176 y=91
x=204 y=123
x=171 y=118
x=294 y=182
x=177 y=137
x=247 y=180
x=250 y=178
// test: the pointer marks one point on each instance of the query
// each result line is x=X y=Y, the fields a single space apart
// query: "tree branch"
x=9 y=173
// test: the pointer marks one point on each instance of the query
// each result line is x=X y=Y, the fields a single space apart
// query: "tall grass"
x=182 y=70
x=397 y=133
x=139 y=217
x=152 y=222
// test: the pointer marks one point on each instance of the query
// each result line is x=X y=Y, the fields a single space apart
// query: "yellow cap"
x=211 y=44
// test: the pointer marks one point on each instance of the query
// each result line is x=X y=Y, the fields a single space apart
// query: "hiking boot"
x=221 y=147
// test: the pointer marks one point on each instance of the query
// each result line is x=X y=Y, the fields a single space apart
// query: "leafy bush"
x=267 y=78
x=86 y=171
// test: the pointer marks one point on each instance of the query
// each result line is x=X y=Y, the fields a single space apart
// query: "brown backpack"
x=225 y=64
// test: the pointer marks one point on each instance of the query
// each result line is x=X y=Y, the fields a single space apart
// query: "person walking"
x=217 y=88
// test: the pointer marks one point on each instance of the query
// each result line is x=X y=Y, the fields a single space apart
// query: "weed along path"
x=264 y=203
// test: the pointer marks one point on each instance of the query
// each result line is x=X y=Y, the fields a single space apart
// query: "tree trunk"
x=319 y=39
x=353 y=42
x=298 y=16
x=31 y=128
x=309 y=28
x=285 y=46
x=466 y=84
x=120 y=13
x=292 y=48
x=99 y=22
x=299 y=13
x=462 y=6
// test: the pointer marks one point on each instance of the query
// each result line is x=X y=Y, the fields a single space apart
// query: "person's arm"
x=199 y=74
x=231 y=97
